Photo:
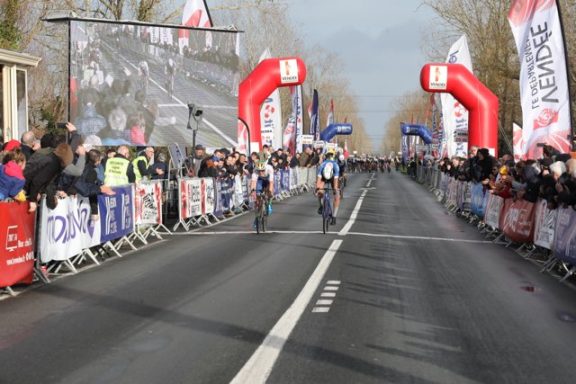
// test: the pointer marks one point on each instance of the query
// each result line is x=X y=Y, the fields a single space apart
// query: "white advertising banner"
x=271 y=115
x=545 y=225
x=208 y=196
x=67 y=229
x=454 y=115
x=543 y=78
x=148 y=203
x=190 y=198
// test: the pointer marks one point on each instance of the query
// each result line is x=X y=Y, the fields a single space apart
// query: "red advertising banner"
x=503 y=213
x=17 y=229
x=518 y=224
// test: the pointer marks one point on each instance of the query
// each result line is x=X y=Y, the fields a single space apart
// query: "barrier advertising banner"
x=238 y=192
x=208 y=196
x=67 y=229
x=565 y=239
x=116 y=214
x=479 y=199
x=190 y=198
x=545 y=225
x=17 y=228
x=148 y=203
x=519 y=221
x=493 y=211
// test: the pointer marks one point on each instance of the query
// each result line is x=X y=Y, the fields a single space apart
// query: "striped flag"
x=330 y=118
x=518 y=143
x=195 y=14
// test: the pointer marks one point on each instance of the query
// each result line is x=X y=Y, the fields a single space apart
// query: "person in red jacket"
x=12 y=176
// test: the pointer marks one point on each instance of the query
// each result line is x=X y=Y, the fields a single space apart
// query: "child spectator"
x=12 y=176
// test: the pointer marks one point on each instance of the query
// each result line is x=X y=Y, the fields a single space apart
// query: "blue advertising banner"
x=565 y=235
x=116 y=214
x=479 y=200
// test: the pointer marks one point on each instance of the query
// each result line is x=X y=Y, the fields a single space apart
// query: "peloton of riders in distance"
x=328 y=172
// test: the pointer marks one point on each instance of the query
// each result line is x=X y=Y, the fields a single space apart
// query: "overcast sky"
x=379 y=42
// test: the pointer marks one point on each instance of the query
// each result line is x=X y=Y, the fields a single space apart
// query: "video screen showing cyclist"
x=263 y=180
x=328 y=172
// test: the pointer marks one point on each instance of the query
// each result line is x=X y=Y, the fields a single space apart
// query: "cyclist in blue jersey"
x=328 y=172
x=263 y=180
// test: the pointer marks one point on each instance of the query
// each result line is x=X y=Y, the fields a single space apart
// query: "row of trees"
x=266 y=25
x=494 y=57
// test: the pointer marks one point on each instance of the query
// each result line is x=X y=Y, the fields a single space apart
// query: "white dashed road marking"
x=259 y=366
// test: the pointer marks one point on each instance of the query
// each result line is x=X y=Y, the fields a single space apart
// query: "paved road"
x=409 y=295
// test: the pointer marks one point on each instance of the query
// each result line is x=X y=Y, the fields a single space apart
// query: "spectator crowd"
x=61 y=164
x=552 y=178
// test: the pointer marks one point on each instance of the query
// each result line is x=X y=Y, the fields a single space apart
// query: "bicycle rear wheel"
x=326 y=214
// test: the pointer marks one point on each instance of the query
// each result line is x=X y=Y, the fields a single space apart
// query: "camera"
x=61 y=125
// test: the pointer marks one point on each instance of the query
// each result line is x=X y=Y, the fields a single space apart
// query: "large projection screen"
x=132 y=84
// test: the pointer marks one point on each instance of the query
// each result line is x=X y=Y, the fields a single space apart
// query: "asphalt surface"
x=418 y=296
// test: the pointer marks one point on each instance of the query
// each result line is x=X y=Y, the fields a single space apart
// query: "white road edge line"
x=259 y=367
x=344 y=231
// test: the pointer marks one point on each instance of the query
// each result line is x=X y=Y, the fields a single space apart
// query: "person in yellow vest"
x=143 y=165
x=119 y=170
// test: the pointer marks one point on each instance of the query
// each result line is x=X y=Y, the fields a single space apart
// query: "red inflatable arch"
x=264 y=79
x=480 y=102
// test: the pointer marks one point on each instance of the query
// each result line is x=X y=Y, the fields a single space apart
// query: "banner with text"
x=543 y=78
x=565 y=239
x=67 y=230
x=148 y=203
x=116 y=214
x=17 y=231
x=545 y=225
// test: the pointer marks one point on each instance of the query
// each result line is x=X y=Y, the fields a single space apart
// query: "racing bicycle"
x=261 y=213
x=326 y=208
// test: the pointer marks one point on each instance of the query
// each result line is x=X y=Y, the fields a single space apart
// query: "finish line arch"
x=269 y=75
x=480 y=102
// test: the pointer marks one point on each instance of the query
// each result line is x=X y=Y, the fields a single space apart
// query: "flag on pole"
x=543 y=76
x=290 y=133
x=346 y=152
x=330 y=117
x=454 y=115
x=299 y=118
x=271 y=115
x=195 y=14
x=243 y=135
x=517 y=143
x=314 y=118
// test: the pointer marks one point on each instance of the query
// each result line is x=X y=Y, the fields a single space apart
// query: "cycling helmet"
x=261 y=166
x=330 y=152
